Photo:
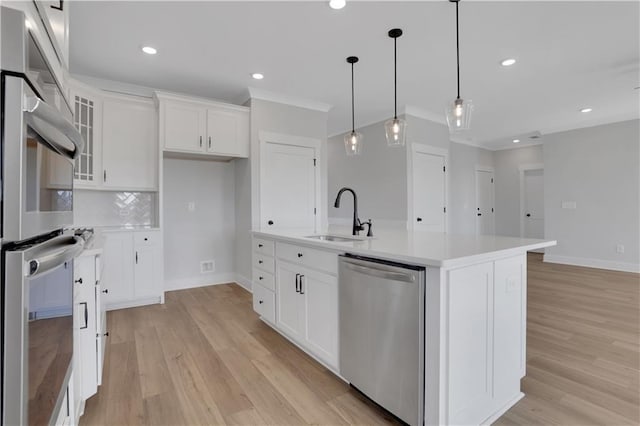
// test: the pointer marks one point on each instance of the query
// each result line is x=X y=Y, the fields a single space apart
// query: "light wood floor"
x=205 y=358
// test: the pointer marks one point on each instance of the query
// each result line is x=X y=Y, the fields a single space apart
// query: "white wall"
x=507 y=186
x=208 y=233
x=381 y=175
x=463 y=160
x=378 y=175
x=599 y=169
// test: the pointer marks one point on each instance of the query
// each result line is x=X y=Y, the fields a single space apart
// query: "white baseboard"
x=495 y=416
x=135 y=303
x=207 y=280
x=244 y=282
x=593 y=263
x=199 y=281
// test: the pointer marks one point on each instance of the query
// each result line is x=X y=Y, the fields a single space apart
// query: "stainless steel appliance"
x=38 y=320
x=381 y=307
x=39 y=141
x=37 y=146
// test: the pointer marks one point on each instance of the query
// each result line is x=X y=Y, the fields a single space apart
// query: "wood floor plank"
x=357 y=412
x=188 y=381
x=275 y=409
x=152 y=367
x=310 y=407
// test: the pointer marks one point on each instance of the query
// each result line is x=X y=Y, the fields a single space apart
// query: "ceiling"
x=569 y=55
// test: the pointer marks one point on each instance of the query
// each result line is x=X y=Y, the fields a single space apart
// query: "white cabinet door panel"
x=288 y=187
x=184 y=126
x=145 y=264
x=222 y=132
x=321 y=309
x=289 y=304
x=129 y=144
x=118 y=266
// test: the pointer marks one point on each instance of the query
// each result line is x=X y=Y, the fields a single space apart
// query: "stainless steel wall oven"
x=38 y=146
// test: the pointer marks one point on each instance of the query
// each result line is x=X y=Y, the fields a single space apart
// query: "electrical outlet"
x=207 y=266
x=191 y=206
x=513 y=284
x=569 y=205
x=620 y=249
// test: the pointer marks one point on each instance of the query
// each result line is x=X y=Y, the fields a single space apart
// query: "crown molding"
x=266 y=95
x=424 y=114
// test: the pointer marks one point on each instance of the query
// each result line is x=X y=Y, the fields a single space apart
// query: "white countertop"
x=418 y=247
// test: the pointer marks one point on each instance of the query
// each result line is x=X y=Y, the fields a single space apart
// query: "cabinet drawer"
x=263 y=262
x=263 y=246
x=143 y=238
x=263 y=278
x=312 y=258
x=264 y=303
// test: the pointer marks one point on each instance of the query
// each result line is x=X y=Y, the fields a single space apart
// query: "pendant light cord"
x=395 y=80
x=458 y=48
x=353 y=108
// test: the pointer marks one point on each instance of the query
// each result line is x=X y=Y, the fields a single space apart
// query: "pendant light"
x=395 y=128
x=459 y=111
x=353 y=139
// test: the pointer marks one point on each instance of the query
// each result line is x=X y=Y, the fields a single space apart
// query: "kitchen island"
x=474 y=316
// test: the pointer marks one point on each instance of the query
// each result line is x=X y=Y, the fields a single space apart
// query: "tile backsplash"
x=111 y=208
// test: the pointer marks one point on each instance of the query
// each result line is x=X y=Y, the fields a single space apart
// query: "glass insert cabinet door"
x=86 y=118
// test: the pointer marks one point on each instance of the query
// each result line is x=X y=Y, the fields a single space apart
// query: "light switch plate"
x=569 y=205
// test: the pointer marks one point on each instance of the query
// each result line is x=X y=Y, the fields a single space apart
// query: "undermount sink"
x=334 y=238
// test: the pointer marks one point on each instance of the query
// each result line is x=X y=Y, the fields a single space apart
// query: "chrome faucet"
x=357 y=225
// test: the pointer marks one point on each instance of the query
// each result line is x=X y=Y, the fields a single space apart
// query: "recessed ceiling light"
x=586 y=110
x=516 y=140
x=257 y=76
x=508 y=62
x=149 y=50
x=337 y=4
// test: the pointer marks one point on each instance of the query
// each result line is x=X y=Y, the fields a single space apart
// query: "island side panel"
x=483 y=336
x=434 y=351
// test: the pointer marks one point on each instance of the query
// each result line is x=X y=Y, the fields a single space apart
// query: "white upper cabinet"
x=129 y=143
x=87 y=110
x=185 y=126
x=195 y=126
x=227 y=132
x=121 y=140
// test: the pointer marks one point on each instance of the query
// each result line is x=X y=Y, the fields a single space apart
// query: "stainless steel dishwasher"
x=382 y=333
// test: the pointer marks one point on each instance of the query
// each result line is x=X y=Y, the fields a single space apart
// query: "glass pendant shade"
x=459 y=115
x=395 y=131
x=353 y=143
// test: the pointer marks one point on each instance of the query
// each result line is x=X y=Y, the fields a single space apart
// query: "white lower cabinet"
x=301 y=300
x=133 y=268
x=307 y=309
x=264 y=303
x=91 y=324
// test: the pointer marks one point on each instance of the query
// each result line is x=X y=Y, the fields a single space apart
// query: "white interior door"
x=534 y=203
x=484 y=202
x=429 y=189
x=288 y=196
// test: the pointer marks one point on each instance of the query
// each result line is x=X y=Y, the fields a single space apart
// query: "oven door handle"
x=53 y=127
x=53 y=253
